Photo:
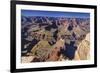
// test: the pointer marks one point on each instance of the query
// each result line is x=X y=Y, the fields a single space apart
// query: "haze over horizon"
x=54 y=14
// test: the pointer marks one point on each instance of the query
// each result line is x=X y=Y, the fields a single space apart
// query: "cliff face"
x=84 y=48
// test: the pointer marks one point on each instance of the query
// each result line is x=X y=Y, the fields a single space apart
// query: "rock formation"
x=84 y=48
x=54 y=38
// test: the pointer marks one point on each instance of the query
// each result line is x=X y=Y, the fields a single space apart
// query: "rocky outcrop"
x=84 y=48
x=54 y=55
x=27 y=59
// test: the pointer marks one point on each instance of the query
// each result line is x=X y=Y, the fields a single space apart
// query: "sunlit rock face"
x=84 y=48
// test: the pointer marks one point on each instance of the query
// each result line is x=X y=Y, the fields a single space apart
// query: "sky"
x=54 y=14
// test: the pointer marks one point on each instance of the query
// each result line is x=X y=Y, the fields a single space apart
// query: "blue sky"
x=54 y=14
